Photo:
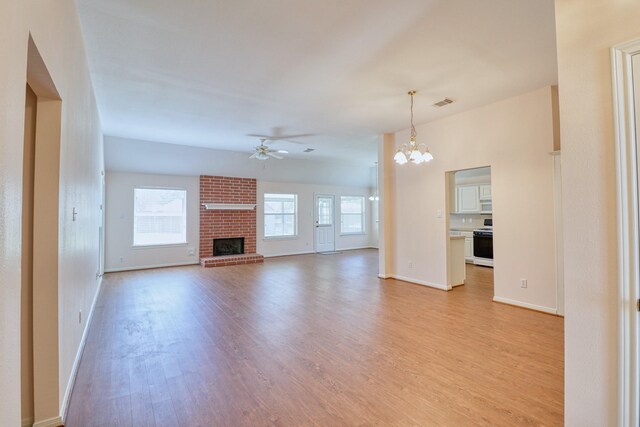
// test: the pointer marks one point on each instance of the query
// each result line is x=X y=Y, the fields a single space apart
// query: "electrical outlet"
x=523 y=283
x=410 y=264
x=80 y=317
x=121 y=259
x=191 y=252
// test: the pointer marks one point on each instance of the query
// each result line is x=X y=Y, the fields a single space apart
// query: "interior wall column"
x=45 y=260
x=386 y=150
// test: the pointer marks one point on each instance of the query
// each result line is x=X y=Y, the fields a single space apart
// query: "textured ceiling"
x=208 y=72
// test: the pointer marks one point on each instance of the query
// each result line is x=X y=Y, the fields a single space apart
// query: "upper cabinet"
x=473 y=198
x=468 y=199
x=485 y=191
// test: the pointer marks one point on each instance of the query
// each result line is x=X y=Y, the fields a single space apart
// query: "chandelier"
x=412 y=151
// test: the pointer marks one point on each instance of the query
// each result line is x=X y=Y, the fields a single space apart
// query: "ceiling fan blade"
x=253 y=156
x=277 y=137
x=275 y=156
x=287 y=137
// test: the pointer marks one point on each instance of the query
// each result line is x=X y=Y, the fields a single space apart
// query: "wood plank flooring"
x=313 y=340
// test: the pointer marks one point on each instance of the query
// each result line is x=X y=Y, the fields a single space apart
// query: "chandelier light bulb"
x=400 y=158
x=416 y=156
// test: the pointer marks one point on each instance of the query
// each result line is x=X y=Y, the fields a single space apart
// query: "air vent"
x=308 y=150
x=444 y=102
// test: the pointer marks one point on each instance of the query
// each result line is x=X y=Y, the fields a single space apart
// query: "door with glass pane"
x=324 y=223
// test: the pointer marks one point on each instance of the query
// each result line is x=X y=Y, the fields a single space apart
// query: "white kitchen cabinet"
x=468 y=246
x=485 y=192
x=468 y=199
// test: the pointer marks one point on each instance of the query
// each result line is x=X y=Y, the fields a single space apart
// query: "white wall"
x=119 y=223
x=514 y=137
x=585 y=32
x=126 y=155
x=303 y=243
x=56 y=31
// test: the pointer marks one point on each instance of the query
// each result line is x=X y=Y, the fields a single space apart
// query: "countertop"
x=456 y=237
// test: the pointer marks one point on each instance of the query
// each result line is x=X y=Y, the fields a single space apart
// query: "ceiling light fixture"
x=412 y=152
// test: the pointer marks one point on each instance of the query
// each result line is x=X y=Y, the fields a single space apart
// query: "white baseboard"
x=419 y=282
x=313 y=252
x=27 y=422
x=385 y=276
x=355 y=248
x=51 y=422
x=289 y=254
x=146 y=267
x=525 y=305
x=76 y=363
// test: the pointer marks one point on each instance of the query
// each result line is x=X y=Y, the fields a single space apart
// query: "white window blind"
x=280 y=215
x=159 y=217
x=352 y=214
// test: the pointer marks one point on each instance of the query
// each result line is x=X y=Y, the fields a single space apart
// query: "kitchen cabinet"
x=473 y=199
x=485 y=191
x=456 y=262
x=468 y=246
x=468 y=199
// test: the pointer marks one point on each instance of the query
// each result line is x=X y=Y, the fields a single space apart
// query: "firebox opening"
x=230 y=246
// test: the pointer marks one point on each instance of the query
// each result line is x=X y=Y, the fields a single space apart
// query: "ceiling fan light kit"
x=412 y=151
x=263 y=152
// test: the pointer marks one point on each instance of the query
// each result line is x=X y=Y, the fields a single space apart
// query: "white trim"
x=229 y=206
x=355 y=248
x=147 y=267
x=289 y=254
x=312 y=252
x=384 y=276
x=76 y=363
x=51 y=422
x=27 y=422
x=420 y=282
x=525 y=305
x=280 y=237
x=160 y=245
x=628 y=245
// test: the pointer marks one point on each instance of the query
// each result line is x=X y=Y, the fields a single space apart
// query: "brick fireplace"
x=224 y=223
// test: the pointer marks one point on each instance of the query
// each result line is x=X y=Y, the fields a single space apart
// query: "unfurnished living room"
x=319 y=213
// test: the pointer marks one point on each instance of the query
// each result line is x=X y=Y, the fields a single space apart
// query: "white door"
x=325 y=223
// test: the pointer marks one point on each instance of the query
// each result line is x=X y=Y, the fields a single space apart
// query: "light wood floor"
x=313 y=340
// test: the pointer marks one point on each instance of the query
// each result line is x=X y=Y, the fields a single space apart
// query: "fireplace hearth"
x=230 y=246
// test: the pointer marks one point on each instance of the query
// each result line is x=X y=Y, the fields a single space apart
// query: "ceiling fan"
x=263 y=152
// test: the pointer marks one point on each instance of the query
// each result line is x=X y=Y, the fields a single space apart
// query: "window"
x=352 y=214
x=159 y=216
x=280 y=211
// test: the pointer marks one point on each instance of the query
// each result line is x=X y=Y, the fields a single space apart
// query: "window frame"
x=362 y=216
x=186 y=218
x=295 y=217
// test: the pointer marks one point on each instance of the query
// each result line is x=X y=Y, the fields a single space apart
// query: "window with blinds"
x=351 y=214
x=159 y=216
x=280 y=215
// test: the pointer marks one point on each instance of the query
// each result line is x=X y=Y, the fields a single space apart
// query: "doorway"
x=469 y=222
x=325 y=234
x=40 y=231
x=625 y=60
